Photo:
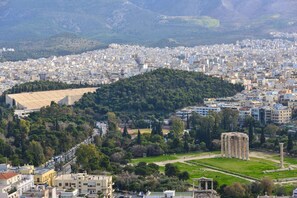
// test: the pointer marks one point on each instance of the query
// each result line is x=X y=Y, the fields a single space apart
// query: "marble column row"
x=235 y=145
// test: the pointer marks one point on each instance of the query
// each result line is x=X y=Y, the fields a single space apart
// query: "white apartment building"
x=13 y=185
x=202 y=110
x=8 y=192
x=86 y=184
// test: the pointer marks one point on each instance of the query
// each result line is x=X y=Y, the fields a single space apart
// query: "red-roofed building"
x=8 y=178
x=12 y=185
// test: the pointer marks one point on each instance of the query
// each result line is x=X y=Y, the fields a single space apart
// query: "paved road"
x=69 y=156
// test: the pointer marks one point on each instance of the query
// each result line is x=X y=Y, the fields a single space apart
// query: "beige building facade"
x=281 y=116
x=89 y=185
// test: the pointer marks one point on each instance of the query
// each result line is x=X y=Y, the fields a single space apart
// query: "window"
x=60 y=184
x=38 y=180
x=66 y=184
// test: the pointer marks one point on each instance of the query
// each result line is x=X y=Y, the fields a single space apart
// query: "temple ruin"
x=235 y=145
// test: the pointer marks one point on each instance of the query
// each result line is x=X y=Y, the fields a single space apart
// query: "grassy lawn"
x=289 y=160
x=144 y=131
x=197 y=171
x=154 y=159
x=195 y=154
x=282 y=175
x=254 y=167
x=172 y=157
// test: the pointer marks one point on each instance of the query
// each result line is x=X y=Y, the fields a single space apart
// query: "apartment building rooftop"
x=7 y=175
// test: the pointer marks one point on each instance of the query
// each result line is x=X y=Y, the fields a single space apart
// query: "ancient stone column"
x=239 y=147
x=244 y=148
x=229 y=146
x=236 y=146
x=226 y=145
x=222 y=145
x=281 y=147
x=247 y=149
x=232 y=146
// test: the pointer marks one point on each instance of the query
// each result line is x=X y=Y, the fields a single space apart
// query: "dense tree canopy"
x=53 y=130
x=157 y=93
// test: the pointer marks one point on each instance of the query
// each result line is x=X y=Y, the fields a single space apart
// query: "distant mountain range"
x=148 y=22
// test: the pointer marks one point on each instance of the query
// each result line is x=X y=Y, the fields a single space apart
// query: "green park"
x=230 y=170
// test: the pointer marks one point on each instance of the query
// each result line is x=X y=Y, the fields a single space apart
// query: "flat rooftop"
x=40 y=171
x=82 y=176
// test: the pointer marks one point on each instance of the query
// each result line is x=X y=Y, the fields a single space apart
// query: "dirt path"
x=223 y=172
x=189 y=158
x=263 y=155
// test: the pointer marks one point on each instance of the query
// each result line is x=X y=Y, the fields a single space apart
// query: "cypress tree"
x=159 y=129
x=125 y=132
x=188 y=122
x=186 y=145
x=138 y=137
x=251 y=132
x=290 y=143
x=262 y=139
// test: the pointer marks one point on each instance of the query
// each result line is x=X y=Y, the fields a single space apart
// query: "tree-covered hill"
x=37 y=138
x=157 y=93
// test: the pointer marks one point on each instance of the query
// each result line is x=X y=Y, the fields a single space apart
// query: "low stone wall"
x=278 y=170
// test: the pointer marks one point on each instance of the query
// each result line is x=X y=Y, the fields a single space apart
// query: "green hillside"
x=157 y=93
x=37 y=138
x=58 y=45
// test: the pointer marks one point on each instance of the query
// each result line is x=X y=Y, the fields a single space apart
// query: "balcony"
x=11 y=191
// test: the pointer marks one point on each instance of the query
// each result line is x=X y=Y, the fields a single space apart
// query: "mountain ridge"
x=145 y=21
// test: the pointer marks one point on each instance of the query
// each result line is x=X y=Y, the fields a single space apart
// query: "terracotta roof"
x=7 y=175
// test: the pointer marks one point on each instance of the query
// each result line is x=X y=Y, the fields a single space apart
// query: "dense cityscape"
x=148 y=99
x=266 y=69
